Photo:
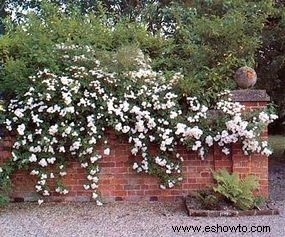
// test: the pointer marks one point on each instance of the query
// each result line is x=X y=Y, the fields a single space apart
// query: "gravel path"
x=132 y=219
x=118 y=219
x=277 y=180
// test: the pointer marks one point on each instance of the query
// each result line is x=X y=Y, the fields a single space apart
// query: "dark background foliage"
x=271 y=63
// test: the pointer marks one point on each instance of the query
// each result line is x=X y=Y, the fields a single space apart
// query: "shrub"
x=271 y=62
x=204 y=40
x=239 y=192
x=28 y=47
x=211 y=39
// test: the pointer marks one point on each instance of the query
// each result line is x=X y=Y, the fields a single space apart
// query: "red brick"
x=191 y=181
x=76 y=187
x=108 y=164
x=119 y=193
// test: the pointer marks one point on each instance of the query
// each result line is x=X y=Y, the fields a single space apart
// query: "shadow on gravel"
x=277 y=180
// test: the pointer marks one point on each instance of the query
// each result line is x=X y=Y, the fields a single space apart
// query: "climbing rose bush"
x=64 y=116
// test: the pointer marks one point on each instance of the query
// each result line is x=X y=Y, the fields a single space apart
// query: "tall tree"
x=271 y=62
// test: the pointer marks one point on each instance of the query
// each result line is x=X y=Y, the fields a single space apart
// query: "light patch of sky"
x=17 y=10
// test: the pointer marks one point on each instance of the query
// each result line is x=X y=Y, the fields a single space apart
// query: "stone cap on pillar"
x=250 y=96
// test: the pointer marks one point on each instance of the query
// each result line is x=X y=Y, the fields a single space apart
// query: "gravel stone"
x=277 y=180
x=118 y=219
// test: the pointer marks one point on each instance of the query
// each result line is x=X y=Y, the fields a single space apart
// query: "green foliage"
x=211 y=39
x=239 y=192
x=258 y=200
x=5 y=187
x=207 y=199
x=271 y=61
x=27 y=48
x=205 y=40
x=117 y=8
x=3 y=199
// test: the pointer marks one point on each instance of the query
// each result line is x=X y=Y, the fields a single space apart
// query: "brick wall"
x=119 y=182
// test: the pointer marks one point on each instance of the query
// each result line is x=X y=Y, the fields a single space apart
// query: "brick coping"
x=250 y=95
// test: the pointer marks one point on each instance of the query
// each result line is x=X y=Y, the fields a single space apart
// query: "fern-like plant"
x=207 y=198
x=4 y=191
x=235 y=190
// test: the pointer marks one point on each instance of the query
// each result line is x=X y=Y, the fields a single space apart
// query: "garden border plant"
x=240 y=192
x=231 y=196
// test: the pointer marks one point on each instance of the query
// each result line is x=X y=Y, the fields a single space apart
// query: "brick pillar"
x=255 y=164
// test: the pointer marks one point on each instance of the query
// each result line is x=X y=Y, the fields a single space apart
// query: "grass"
x=277 y=142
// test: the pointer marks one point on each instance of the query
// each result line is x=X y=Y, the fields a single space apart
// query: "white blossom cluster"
x=239 y=129
x=67 y=115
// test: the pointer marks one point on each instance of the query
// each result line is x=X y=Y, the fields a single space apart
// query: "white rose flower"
x=53 y=129
x=95 y=179
x=86 y=186
x=84 y=165
x=94 y=186
x=162 y=186
x=170 y=185
x=273 y=117
x=99 y=203
x=15 y=157
x=226 y=151
x=21 y=129
x=94 y=195
x=266 y=152
x=46 y=193
x=263 y=117
x=62 y=173
x=62 y=149
x=43 y=162
x=180 y=128
x=118 y=127
x=33 y=158
x=34 y=172
x=65 y=80
x=93 y=159
x=135 y=166
x=51 y=160
x=209 y=141
x=173 y=115
x=107 y=151
x=40 y=201
x=125 y=129
x=90 y=177
x=19 y=113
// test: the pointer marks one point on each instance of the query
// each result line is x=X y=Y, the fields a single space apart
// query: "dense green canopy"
x=205 y=40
